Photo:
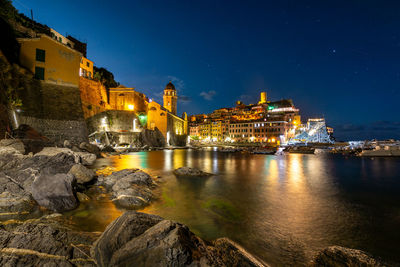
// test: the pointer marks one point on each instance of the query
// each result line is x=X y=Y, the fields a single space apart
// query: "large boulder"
x=14 y=143
x=190 y=172
x=13 y=198
x=129 y=188
x=44 y=242
x=344 y=257
x=55 y=192
x=90 y=148
x=139 y=239
x=80 y=157
x=86 y=158
x=82 y=174
x=10 y=158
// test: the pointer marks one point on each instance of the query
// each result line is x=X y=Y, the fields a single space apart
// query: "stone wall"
x=112 y=121
x=58 y=130
x=93 y=97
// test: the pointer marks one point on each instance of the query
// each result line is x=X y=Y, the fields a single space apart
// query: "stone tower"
x=263 y=98
x=170 y=98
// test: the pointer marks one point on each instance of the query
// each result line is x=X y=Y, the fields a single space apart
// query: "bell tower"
x=170 y=98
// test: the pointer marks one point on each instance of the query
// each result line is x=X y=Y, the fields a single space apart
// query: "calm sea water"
x=283 y=209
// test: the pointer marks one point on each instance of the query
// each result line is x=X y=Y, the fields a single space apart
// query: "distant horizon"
x=340 y=60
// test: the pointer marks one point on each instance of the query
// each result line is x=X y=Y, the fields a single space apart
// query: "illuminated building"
x=50 y=61
x=205 y=130
x=241 y=131
x=315 y=131
x=86 y=68
x=194 y=130
x=263 y=98
x=124 y=98
x=170 y=98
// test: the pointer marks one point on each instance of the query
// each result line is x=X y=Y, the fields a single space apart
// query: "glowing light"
x=131 y=107
x=134 y=125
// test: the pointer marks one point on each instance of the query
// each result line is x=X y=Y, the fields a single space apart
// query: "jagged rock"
x=231 y=254
x=13 y=198
x=80 y=157
x=67 y=144
x=55 y=192
x=43 y=242
x=340 y=256
x=16 y=183
x=90 y=148
x=14 y=143
x=190 y=172
x=86 y=158
x=129 y=188
x=76 y=149
x=82 y=174
x=10 y=158
x=139 y=239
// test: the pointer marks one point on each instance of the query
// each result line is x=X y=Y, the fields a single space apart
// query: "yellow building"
x=124 y=98
x=205 y=130
x=157 y=117
x=50 y=60
x=86 y=68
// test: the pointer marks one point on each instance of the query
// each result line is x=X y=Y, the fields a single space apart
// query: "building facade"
x=170 y=98
x=50 y=60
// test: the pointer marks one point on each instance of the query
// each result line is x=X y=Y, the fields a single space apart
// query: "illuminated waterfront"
x=281 y=208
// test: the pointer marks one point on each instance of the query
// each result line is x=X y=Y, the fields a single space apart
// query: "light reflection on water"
x=281 y=208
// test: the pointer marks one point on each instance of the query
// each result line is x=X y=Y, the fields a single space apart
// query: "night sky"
x=337 y=59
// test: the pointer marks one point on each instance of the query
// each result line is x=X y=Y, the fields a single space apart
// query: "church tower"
x=170 y=98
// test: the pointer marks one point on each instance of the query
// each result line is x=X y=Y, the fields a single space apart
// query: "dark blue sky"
x=337 y=59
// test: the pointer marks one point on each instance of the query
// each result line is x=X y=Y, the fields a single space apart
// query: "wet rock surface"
x=85 y=158
x=42 y=177
x=14 y=143
x=346 y=257
x=190 y=172
x=82 y=174
x=129 y=188
x=44 y=242
x=55 y=192
x=140 y=239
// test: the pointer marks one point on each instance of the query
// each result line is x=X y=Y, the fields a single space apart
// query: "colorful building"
x=170 y=98
x=51 y=61
x=124 y=98
x=86 y=68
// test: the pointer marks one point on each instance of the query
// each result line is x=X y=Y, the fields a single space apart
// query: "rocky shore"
x=56 y=179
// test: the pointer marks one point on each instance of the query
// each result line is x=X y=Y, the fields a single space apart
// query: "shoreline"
x=111 y=185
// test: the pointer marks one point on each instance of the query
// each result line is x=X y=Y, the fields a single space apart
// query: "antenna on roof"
x=31 y=14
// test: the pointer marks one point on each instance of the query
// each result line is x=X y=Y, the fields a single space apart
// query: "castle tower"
x=263 y=98
x=170 y=98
